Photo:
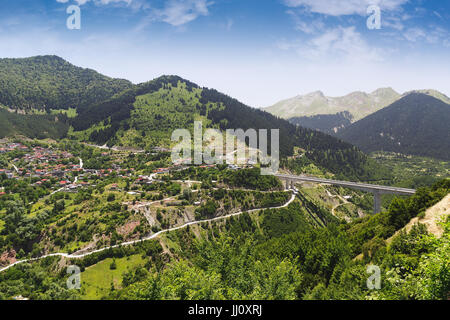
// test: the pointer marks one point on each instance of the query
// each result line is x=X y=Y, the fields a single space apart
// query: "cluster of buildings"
x=45 y=163
x=7 y=147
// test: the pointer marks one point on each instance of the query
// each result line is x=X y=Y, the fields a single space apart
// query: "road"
x=15 y=168
x=153 y=236
x=355 y=185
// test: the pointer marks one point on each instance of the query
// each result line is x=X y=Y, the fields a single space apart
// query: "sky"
x=258 y=51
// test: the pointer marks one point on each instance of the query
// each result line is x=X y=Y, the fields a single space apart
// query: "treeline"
x=50 y=82
x=227 y=113
x=288 y=258
x=33 y=126
x=327 y=123
x=118 y=108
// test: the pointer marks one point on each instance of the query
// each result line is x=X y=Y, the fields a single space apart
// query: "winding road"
x=153 y=236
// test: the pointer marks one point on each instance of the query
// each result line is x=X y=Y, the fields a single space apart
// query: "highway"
x=377 y=190
x=355 y=185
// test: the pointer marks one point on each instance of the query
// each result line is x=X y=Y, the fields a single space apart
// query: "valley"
x=87 y=179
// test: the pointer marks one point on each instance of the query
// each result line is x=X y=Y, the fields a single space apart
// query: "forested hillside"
x=33 y=126
x=284 y=257
x=417 y=124
x=145 y=115
x=328 y=123
x=116 y=112
x=50 y=82
x=271 y=254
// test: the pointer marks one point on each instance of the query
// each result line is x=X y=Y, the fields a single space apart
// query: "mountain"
x=119 y=113
x=50 y=82
x=416 y=124
x=358 y=104
x=145 y=115
x=328 y=123
x=433 y=93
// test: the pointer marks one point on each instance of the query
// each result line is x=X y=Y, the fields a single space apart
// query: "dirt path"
x=345 y=201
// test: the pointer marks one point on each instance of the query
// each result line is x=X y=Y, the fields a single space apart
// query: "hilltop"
x=50 y=82
x=416 y=124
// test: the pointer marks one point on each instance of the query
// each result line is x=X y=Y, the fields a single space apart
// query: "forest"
x=273 y=254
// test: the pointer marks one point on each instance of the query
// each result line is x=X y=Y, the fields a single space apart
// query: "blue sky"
x=259 y=51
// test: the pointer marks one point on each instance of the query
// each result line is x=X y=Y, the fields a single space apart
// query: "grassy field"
x=70 y=113
x=97 y=280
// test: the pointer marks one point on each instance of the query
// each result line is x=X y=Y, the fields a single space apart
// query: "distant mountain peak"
x=383 y=91
x=417 y=124
x=430 y=92
x=358 y=103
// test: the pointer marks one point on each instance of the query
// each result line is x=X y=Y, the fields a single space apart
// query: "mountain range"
x=358 y=104
x=417 y=124
x=116 y=112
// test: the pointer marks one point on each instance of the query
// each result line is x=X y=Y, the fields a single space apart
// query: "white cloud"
x=308 y=27
x=433 y=35
x=104 y=2
x=174 y=12
x=179 y=12
x=344 y=7
x=340 y=44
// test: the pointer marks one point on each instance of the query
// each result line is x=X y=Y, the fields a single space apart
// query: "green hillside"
x=328 y=123
x=104 y=110
x=32 y=126
x=50 y=82
x=145 y=115
x=417 y=124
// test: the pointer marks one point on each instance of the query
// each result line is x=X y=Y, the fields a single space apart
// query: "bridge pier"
x=287 y=184
x=376 y=202
x=292 y=184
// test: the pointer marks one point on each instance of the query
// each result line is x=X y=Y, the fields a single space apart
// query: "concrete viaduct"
x=375 y=189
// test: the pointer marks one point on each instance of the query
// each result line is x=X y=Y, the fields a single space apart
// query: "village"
x=60 y=170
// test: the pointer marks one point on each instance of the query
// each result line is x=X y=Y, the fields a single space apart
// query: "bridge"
x=377 y=190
